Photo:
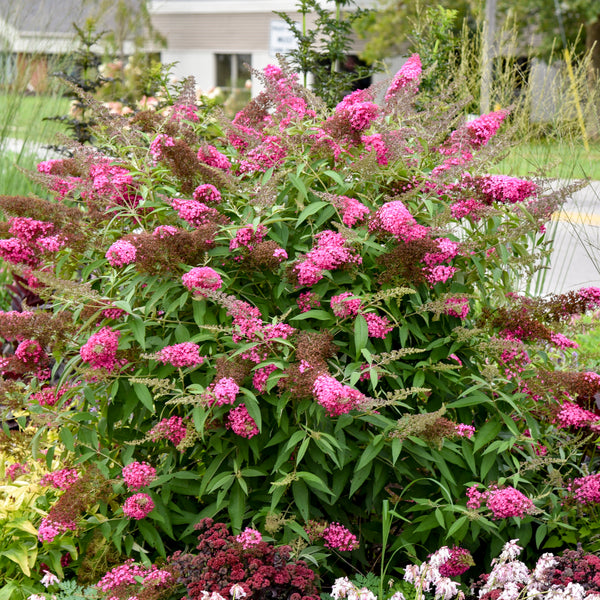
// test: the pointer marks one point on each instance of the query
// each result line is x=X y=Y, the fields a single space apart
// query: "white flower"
x=36 y=597
x=341 y=587
x=510 y=592
x=438 y=558
x=49 y=579
x=411 y=573
x=510 y=551
x=445 y=588
x=237 y=591
x=545 y=561
x=575 y=591
x=365 y=594
x=400 y=596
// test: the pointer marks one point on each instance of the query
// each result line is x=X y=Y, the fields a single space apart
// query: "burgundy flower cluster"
x=261 y=569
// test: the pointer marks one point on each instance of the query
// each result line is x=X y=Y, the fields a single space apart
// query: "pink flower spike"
x=186 y=354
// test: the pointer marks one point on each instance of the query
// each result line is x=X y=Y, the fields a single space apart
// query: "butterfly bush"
x=296 y=315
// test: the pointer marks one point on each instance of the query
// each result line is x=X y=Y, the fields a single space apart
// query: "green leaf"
x=359 y=478
x=486 y=434
x=540 y=534
x=311 y=209
x=314 y=481
x=361 y=335
x=67 y=438
x=456 y=526
x=301 y=187
x=371 y=451
x=144 y=395
x=151 y=535
x=18 y=554
x=138 y=328
x=237 y=506
x=300 y=493
x=320 y=315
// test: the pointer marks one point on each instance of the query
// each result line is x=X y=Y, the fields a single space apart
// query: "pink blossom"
x=213 y=158
x=241 y=423
x=352 y=210
x=248 y=538
x=572 y=415
x=396 y=219
x=562 y=341
x=345 y=305
x=138 y=506
x=483 y=128
x=503 y=502
x=225 y=391
x=49 y=529
x=186 y=354
x=280 y=254
x=138 y=475
x=467 y=208
x=28 y=229
x=409 y=76
x=439 y=274
x=121 y=253
x=51 y=243
x=307 y=301
x=270 y=153
x=158 y=144
x=259 y=379
x=463 y=430
x=207 y=193
x=201 y=279
x=62 y=479
x=336 y=398
x=113 y=182
x=338 y=537
x=172 y=429
x=376 y=143
x=248 y=237
x=16 y=251
x=15 y=469
x=192 y=211
x=100 y=351
x=165 y=231
x=128 y=574
x=48 y=396
x=378 y=327
x=187 y=112
x=457 y=307
x=506 y=189
x=586 y=490
x=30 y=353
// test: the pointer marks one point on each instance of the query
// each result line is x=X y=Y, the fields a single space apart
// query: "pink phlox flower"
x=207 y=193
x=280 y=254
x=248 y=237
x=225 y=391
x=378 y=327
x=30 y=353
x=447 y=251
x=62 y=479
x=352 y=210
x=138 y=475
x=172 y=429
x=131 y=573
x=186 y=354
x=341 y=588
x=307 y=301
x=213 y=158
x=330 y=252
x=113 y=182
x=241 y=423
x=121 y=253
x=375 y=143
x=280 y=331
x=457 y=307
x=158 y=144
x=138 y=506
x=358 y=109
x=271 y=152
x=249 y=538
x=345 y=305
x=260 y=376
x=247 y=321
x=202 y=279
x=336 y=398
x=51 y=243
x=457 y=563
x=101 y=349
x=192 y=211
x=338 y=537
x=396 y=219
x=409 y=76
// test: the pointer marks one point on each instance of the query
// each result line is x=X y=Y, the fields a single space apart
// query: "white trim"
x=162 y=7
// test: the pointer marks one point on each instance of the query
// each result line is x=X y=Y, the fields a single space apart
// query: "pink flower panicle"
x=49 y=529
x=194 y=212
x=186 y=354
x=484 y=128
x=159 y=143
x=260 y=376
x=330 y=252
x=409 y=76
x=338 y=537
x=586 y=490
x=213 y=158
x=463 y=430
x=248 y=538
x=13 y=470
x=459 y=562
x=100 y=351
x=307 y=301
x=121 y=253
x=138 y=475
x=375 y=143
x=241 y=423
x=224 y=391
x=48 y=396
x=336 y=398
x=345 y=305
x=457 y=307
x=396 y=219
x=127 y=574
x=30 y=353
x=138 y=506
x=202 y=279
x=248 y=237
x=378 y=327
x=504 y=502
x=62 y=479
x=352 y=210
x=207 y=193
x=506 y=189
x=572 y=415
x=172 y=429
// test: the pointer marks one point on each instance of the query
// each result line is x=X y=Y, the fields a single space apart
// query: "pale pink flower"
x=248 y=538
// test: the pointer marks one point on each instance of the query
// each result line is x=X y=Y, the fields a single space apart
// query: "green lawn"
x=22 y=117
x=563 y=159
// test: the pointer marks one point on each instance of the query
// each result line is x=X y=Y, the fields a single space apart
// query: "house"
x=36 y=36
x=212 y=40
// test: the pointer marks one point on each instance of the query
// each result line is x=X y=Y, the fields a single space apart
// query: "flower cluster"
x=338 y=537
x=62 y=479
x=138 y=475
x=171 y=428
x=138 y=506
x=504 y=502
x=335 y=397
x=100 y=351
x=186 y=354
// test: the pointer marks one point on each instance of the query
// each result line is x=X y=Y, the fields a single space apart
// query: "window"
x=232 y=72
